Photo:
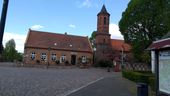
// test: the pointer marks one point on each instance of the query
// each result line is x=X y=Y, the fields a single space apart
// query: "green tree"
x=9 y=53
x=19 y=56
x=92 y=38
x=143 y=22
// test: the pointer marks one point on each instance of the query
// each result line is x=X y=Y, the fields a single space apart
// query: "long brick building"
x=51 y=48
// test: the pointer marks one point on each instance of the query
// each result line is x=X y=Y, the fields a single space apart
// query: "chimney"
x=65 y=33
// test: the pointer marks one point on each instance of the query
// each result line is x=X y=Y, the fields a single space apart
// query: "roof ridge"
x=161 y=40
x=56 y=33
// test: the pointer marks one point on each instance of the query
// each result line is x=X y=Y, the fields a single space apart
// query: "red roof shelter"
x=160 y=44
x=162 y=63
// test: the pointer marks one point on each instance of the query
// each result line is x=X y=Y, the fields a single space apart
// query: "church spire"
x=103 y=10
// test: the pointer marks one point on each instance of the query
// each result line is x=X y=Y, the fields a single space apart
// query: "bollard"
x=142 y=89
x=108 y=69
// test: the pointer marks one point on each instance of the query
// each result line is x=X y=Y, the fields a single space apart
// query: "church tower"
x=102 y=40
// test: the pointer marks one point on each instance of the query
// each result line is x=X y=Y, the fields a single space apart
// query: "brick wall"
x=28 y=52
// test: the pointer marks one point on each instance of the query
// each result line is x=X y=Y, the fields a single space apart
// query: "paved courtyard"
x=19 y=81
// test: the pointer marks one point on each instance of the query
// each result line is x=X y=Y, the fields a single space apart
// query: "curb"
x=75 y=90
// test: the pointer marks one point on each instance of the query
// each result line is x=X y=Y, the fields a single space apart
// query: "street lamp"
x=122 y=56
x=48 y=57
x=2 y=22
x=94 y=50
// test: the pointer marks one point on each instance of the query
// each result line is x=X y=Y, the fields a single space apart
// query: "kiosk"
x=162 y=66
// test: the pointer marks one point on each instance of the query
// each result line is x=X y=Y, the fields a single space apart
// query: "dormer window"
x=71 y=45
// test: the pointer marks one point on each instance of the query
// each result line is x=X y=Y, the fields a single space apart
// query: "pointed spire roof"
x=103 y=10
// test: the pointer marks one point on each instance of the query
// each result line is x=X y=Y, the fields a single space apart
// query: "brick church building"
x=47 y=48
x=107 y=48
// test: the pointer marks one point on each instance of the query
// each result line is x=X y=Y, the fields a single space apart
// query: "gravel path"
x=46 y=82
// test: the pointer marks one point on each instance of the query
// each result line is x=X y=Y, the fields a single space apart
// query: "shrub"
x=140 y=76
x=66 y=62
x=152 y=84
x=136 y=76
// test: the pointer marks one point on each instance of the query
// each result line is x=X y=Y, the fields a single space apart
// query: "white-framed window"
x=43 y=56
x=84 y=59
x=33 y=56
x=53 y=57
x=63 y=58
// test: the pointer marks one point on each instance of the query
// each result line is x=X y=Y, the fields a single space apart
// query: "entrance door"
x=73 y=59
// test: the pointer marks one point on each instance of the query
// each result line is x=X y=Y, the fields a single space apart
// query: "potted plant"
x=38 y=61
x=57 y=62
x=66 y=63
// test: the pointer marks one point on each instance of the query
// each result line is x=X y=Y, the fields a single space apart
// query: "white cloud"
x=19 y=40
x=37 y=27
x=85 y=3
x=72 y=26
x=114 y=31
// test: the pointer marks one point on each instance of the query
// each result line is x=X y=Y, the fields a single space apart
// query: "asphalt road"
x=110 y=86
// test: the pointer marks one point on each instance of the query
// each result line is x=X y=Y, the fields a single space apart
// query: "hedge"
x=152 y=83
x=140 y=76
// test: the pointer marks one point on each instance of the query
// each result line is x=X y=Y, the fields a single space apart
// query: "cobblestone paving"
x=46 y=82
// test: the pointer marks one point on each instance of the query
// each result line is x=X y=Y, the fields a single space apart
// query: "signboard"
x=164 y=72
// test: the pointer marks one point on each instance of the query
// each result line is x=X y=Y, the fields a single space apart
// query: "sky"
x=76 y=17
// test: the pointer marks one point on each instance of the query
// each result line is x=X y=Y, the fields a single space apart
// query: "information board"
x=164 y=72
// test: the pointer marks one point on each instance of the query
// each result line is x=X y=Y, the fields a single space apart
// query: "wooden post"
x=157 y=72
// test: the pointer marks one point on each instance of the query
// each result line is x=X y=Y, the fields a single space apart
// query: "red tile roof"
x=39 y=39
x=164 y=43
x=118 y=44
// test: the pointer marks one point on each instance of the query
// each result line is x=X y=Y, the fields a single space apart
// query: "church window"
x=104 y=40
x=100 y=20
x=104 y=20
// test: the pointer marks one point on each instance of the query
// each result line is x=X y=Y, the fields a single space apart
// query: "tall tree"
x=143 y=22
x=92 y=38
x=10 y=52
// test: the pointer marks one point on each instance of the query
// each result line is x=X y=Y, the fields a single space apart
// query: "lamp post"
x=122 y=55
x=94 y=50
x=49 y=49
x=2 y=22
